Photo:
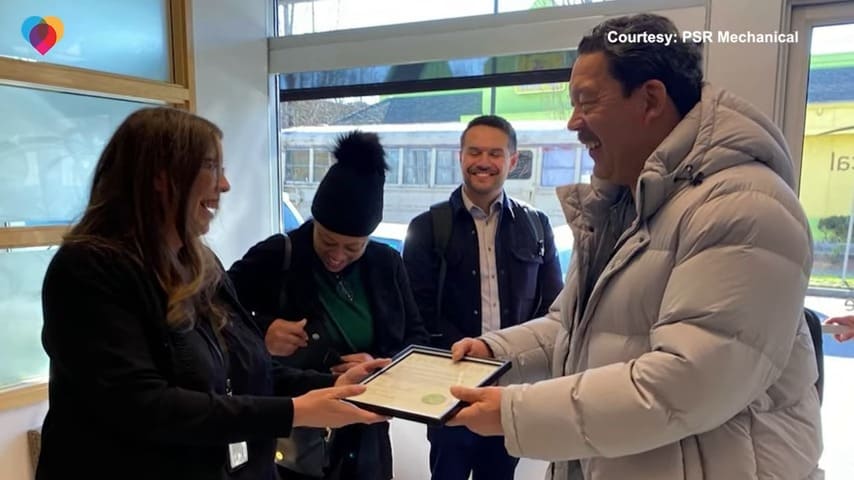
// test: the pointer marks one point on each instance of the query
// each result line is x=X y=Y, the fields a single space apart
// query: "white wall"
x=14 y=451
x=231 y=90
x=746 y=69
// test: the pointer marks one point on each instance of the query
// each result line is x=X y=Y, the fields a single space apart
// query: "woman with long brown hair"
x=156 y=369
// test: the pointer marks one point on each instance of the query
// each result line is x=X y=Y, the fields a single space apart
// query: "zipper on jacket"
x=223 y=359
x=608 y=270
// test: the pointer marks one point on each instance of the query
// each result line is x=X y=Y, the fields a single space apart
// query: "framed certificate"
x=416 y=385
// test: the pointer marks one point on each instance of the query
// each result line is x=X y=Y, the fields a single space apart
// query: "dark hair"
x=127 y=213
x=678 y=65
x=493 y=121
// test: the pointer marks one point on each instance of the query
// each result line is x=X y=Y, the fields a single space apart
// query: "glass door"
x=819 y=125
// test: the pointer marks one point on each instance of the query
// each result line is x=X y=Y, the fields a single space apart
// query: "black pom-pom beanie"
x=349 y=199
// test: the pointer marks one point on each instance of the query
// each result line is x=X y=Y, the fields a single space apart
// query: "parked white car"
x=394 y=234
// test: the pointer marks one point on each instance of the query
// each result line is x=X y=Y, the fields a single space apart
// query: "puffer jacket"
x=691 y=359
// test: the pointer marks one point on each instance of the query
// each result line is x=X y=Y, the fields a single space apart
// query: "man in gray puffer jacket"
x=677 y=349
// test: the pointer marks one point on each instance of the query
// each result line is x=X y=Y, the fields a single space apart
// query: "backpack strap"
x=536 y=225
x=286 y=265
x=442 y=218
x=814 y=324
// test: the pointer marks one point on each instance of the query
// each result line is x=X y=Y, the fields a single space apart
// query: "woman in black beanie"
x=328 y=297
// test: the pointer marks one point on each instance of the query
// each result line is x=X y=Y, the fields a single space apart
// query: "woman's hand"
x=350 y=361
x=324 y=408
x=285 y=337
x=847 y=321
x=358 y=373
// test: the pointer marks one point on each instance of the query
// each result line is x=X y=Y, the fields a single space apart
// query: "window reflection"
x=21 y=273
x=129 y=38
x=296 y=17
x=422 y=147
x=448 y=167
x=48 y=151
x=297 y=165
x=416 y=166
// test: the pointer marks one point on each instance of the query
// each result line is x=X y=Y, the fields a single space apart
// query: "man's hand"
x=483 y=416
x=350 y=361
x=284 y=337
x=470 y=347
x=360 y=371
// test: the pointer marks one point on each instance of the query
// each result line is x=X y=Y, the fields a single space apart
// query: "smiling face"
x=202 y=198
x=337 y=251
x=611 y=125
x=486 y=159
x=210 y=183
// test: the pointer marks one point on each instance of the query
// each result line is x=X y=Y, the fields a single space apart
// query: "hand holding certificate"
x=841 y=327
x=416 y=385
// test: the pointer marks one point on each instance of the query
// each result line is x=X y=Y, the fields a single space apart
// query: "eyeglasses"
x=213 y=166
x=343 y=290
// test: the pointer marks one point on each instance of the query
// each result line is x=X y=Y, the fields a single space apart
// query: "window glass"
x=448 y=167
x=421 y=134
x=558 y=166
x=827 y=195
x=297 y=165
x=827 y=173
x=130 y=38
x=416 y=166
x=540 y=63
x=392 y=176
x=524 y=166
x=309 y=16
x=48 y=149
x=21 y=274
x=827 y=168
x=323 y=159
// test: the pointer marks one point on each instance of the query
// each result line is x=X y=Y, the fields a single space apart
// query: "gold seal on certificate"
x=416 y=385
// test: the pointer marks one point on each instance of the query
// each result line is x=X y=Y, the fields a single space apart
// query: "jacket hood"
x=720 y=132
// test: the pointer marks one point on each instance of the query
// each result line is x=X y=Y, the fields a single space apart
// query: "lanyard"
x=223 y=358
x=238 y=452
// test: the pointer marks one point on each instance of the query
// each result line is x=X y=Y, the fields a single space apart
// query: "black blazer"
x=132 y=398
x=529 y=279
x=270 y=292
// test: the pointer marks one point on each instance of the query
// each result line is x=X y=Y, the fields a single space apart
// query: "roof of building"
x=831 y=85
x=417 y=109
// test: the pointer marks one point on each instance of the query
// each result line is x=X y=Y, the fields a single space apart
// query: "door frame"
x=803 y=17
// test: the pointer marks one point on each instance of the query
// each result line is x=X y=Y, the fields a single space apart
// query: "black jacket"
x=132 y=398
x=269 y=292
x=527 y=281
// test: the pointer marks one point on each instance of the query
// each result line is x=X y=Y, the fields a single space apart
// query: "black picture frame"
x=500 y=368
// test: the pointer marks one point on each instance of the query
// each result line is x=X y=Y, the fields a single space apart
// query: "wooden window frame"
x=179 y=93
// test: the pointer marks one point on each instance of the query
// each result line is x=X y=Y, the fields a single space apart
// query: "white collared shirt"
x=486 y=227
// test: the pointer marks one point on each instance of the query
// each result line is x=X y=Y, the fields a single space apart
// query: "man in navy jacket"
x=501 y=269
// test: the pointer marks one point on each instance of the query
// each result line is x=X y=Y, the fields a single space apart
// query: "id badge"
x=238 y=455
